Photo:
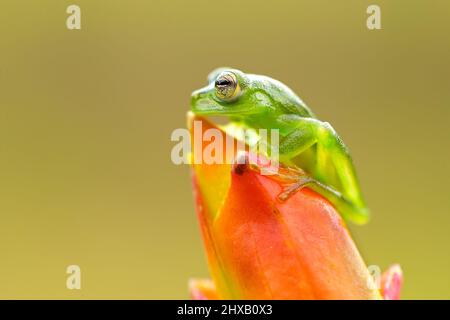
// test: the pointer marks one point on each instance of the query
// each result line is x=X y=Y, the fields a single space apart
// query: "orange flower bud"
x=261 y=248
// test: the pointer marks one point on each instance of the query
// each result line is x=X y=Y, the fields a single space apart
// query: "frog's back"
x=286 y=99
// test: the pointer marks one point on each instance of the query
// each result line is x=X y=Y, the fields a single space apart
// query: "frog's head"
x=230 y=92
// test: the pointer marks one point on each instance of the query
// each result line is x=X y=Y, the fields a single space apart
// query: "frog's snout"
x=195 y=95
x=198 y=96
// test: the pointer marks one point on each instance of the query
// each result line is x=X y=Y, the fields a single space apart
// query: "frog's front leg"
x=309 y=131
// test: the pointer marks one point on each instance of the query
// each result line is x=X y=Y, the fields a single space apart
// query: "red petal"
x=391 y=282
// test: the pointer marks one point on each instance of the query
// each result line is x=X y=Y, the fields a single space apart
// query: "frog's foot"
x=202 y=289
x=291 y=178
x=290 y=188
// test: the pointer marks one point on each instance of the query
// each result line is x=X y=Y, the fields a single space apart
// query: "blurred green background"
x=86 y=118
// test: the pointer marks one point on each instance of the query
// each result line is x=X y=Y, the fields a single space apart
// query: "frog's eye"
x=227 y=86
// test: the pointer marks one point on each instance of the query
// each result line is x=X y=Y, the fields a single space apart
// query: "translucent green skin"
x=311 y=144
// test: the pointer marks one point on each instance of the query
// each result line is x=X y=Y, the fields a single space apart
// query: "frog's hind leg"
x=347 y=199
